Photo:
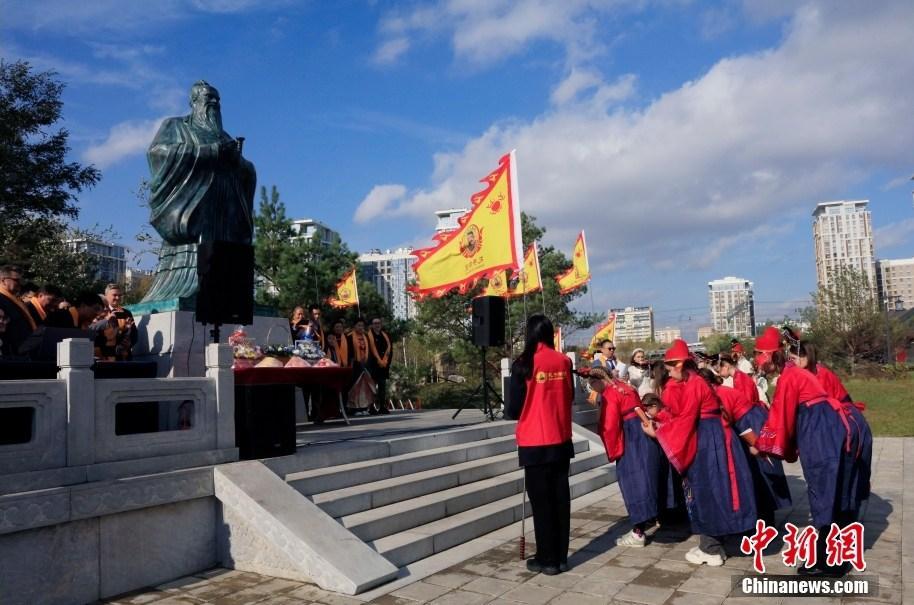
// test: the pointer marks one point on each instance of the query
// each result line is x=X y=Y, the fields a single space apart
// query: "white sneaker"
x=698 y=556
x=631 y=539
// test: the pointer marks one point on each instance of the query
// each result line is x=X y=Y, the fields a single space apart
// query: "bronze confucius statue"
x=202 y=190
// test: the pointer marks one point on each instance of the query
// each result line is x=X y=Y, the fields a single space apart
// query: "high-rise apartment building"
x=732 y=307
x=315 y=230
x=667 y=334
x=843 y=238
x=447 y=219
x=705 y=332
x=391 y=272
x=634 y=323
x=895 y=280
x=110 y=259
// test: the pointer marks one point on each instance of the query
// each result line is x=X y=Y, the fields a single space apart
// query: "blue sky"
x=691 y=140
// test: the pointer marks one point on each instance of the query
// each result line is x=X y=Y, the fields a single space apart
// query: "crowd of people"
x=27 y=309
x=694 y=433
x=365 y=347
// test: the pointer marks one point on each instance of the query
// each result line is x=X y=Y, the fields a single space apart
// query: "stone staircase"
x=434 y=492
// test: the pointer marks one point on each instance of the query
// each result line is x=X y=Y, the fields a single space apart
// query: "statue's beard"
x=208 y=117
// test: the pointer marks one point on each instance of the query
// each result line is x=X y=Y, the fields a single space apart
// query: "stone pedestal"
x=176 y=342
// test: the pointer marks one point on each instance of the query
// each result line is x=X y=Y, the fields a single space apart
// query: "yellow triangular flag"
x=579 y=274
x=529 y=279
x=347 y=292
x=487 y=241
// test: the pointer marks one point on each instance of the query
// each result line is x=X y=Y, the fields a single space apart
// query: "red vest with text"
x=546 y=416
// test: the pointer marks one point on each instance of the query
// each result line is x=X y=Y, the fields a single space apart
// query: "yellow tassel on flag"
x=487 y=242
x=347 y=292
x=579 y=274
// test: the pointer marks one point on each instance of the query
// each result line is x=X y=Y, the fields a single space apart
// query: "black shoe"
x=384 y=410
x=372 y=411
x=825 y=571
x=551 y=570
x=563 y=567
x=534 y=566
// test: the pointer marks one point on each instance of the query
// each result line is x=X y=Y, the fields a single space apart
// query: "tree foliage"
x=295 y=271
x=38 y=186
x=845 y=322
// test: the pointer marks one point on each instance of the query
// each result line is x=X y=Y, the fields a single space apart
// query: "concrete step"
x=386 y=520
x=333 y=478
x=357 y=498
x=440 y=534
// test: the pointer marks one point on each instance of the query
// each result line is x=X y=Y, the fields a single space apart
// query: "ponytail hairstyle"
x=710 y=377
x=689 y=367
x=539 y=330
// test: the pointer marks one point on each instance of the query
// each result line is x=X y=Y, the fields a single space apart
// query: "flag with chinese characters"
x=605 y=331
x=486 y=242
x=579 y=274
x=529 y=279
x=347 y=292
x=497 y=286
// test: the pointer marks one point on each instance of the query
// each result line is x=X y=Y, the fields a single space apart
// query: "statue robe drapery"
x=201 y=191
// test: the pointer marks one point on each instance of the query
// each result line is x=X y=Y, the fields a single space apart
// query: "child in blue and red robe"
x=831 y=438
x=641 y=467
x=705 y=450
x=747 y=417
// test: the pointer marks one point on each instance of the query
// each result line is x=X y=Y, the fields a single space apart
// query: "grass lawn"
x=889 y=405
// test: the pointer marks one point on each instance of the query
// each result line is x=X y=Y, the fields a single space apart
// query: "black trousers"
x=550 y=501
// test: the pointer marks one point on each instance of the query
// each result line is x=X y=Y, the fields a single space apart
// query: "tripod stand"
x=485 y=389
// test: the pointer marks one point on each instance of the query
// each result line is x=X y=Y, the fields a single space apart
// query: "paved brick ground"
x=604 y=573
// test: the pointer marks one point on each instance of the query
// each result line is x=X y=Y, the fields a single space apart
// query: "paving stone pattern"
x=600 y=571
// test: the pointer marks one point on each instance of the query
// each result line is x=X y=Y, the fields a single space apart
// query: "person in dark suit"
x=379 y=361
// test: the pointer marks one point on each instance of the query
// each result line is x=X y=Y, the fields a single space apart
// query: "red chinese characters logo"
x=801 y=545
x=757 y=542
x=841 y=545
x=845 y=546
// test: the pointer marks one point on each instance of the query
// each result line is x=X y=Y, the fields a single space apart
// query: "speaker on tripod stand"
x=225 y=271
x=488 y=331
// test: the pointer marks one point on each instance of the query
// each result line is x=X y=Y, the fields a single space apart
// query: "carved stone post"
x=219 y=368
x=75 y=358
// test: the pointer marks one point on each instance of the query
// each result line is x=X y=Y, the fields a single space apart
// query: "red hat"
x=679 y=351
x=737 y=348
x=769 y=341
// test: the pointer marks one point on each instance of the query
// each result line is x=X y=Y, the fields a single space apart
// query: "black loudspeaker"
x=489 y=321
x=225 y=271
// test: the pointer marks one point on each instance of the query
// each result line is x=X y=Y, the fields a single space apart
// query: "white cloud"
x=124 y=139
x=486 y=32
x=900 y=233
x=390 y=51
x=377 y=202
x=758 y=139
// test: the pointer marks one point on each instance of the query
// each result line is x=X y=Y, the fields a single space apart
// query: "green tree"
x=38 y=187
x=296 y=270
x=845 y=321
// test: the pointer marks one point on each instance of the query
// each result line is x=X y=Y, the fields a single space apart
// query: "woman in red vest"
x=541 y=394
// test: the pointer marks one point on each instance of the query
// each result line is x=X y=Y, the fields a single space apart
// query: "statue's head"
x=206 y=111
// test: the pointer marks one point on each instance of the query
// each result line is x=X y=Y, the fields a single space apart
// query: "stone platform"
x=602 y=572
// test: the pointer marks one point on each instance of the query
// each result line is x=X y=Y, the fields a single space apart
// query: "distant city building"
x=895 y=280
x=634 y=324
x=705 y=332
x=732 y=307
x=133 y=275
x=843 y=238
x=315 y=230
x=391 y=272
x=110 y=259
x=447 y=219
x=666 y=335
